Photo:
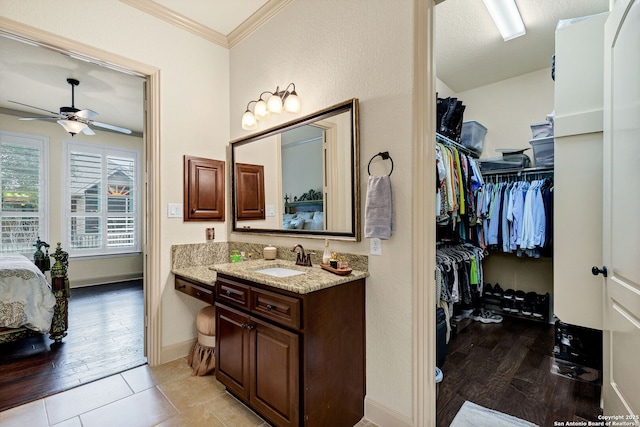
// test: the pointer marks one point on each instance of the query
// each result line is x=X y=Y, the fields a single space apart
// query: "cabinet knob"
x=228 y=293
x=270 y=307
x=182 y=286
x=198 y=294
x=595 y=270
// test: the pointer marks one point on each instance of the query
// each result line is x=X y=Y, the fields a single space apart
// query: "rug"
x=472 y=415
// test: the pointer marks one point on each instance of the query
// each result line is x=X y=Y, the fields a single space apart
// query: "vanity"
x=292 y=347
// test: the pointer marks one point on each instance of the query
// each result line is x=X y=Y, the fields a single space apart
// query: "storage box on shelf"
x=543 y=151
x=472 y=136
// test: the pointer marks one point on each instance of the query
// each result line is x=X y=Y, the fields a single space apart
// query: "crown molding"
x=255 y=21
x=154 y=9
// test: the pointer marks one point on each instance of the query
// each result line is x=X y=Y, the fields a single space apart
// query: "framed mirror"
x=300 y=178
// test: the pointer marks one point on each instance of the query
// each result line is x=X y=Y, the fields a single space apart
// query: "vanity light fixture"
x=276 y=102
x=507 y=18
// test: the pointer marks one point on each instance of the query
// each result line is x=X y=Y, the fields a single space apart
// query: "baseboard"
x=383 y=416
x=176 y=351
x=104 y=280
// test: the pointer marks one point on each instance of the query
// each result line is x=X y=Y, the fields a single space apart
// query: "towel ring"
x=385 y=156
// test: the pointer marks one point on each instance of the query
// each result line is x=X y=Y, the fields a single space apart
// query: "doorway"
x=150 y=148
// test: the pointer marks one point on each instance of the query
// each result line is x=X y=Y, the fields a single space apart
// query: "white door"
x=621 y=215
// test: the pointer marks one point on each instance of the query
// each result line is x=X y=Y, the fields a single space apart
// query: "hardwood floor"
x=105 y=337
x=506 y=367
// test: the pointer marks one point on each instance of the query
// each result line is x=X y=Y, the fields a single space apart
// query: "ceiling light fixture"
x=507 y=18
x=72 y=126
x=276 y=102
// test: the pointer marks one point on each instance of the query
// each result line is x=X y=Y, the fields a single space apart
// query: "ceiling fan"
x=72 y=119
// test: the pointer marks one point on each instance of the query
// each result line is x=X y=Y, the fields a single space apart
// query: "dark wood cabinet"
x=203 y=189
x=198 y=290
x=250 y=191
x=258 y=362
x=296 y=359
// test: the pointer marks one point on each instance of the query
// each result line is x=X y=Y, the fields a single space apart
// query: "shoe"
x=538 y=310
x=519 y=295
x=486 y=316
x=487 y=290
x=509 y=294
x=527 y=309
x=439 y=375
x=497 y=291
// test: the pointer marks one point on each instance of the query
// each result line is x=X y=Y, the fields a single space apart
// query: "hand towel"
x=379 y=213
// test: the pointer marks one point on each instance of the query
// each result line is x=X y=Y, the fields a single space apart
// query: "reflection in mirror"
x=309 y=179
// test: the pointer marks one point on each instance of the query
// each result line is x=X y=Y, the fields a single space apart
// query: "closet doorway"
x=493 y=363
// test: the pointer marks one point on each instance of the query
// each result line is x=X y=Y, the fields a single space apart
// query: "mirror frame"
x=354 y=234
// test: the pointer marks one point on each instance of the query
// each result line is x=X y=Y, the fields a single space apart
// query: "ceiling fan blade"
x=48 y=119
x=86 y=114
x=37 y=108
x=88 y=131
x=111 y=127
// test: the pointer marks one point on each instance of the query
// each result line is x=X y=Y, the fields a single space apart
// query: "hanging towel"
x=379 y=212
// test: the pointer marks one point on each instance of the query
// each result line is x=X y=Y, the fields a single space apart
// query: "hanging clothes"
x=518 y=217
x=459 y=188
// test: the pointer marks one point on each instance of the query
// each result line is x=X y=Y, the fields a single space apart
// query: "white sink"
x=280 y=272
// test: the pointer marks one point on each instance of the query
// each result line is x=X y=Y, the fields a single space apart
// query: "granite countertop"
x=314 y=279
x=201 y=273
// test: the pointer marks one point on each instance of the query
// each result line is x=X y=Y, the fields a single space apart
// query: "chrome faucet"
x=302 y=258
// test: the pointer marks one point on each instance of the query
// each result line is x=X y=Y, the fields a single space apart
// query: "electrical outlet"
x=375 y=247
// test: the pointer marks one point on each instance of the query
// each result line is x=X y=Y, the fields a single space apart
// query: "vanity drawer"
x=194 y=289
x=232 y=293
x=278 y=308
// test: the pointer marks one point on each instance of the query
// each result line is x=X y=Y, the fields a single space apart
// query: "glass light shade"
x=260 y=110
x=72 y=126
x=274 y=104
x=249 y=121
x=292 y=103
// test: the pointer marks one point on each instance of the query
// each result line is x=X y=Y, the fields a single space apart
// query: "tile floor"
x=166 y=396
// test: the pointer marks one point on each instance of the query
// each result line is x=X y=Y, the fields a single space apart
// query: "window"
x=102 y=200
x=24 y=176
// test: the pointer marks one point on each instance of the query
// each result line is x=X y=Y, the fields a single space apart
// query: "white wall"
x=335 y=50
x=89 y=271
x=194 y=103
x=508 y=108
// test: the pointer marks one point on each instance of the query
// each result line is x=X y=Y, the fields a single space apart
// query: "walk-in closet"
x=519 y=310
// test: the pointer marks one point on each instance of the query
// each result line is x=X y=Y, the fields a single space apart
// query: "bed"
x=29 y=304
x=305 y=212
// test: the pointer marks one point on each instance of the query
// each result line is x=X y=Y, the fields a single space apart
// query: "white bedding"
x=26 y=298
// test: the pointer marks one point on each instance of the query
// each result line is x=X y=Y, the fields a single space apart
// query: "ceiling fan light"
x=260 y=110
x=507 y=18
x=249 y=121
x=292 y=103
x=274 y=104
x=72 y=126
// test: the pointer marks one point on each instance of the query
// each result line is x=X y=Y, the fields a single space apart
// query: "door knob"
x=595 y=270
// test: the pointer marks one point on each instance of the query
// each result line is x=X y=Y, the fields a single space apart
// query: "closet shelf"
x=520 y=172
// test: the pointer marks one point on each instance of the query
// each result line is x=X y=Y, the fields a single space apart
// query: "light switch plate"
x=270 y=210
x=174 y=210
x=375 y=247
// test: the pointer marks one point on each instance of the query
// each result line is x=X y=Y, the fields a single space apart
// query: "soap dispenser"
x=326 y=256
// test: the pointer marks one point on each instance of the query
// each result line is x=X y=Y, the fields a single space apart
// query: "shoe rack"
x=520 y=304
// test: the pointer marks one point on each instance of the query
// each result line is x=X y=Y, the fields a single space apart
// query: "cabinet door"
x=203 y=189
x=250 y=191
x=275 y=385
x=232 y=350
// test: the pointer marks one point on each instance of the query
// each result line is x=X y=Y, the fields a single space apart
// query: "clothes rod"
x=444 y=140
